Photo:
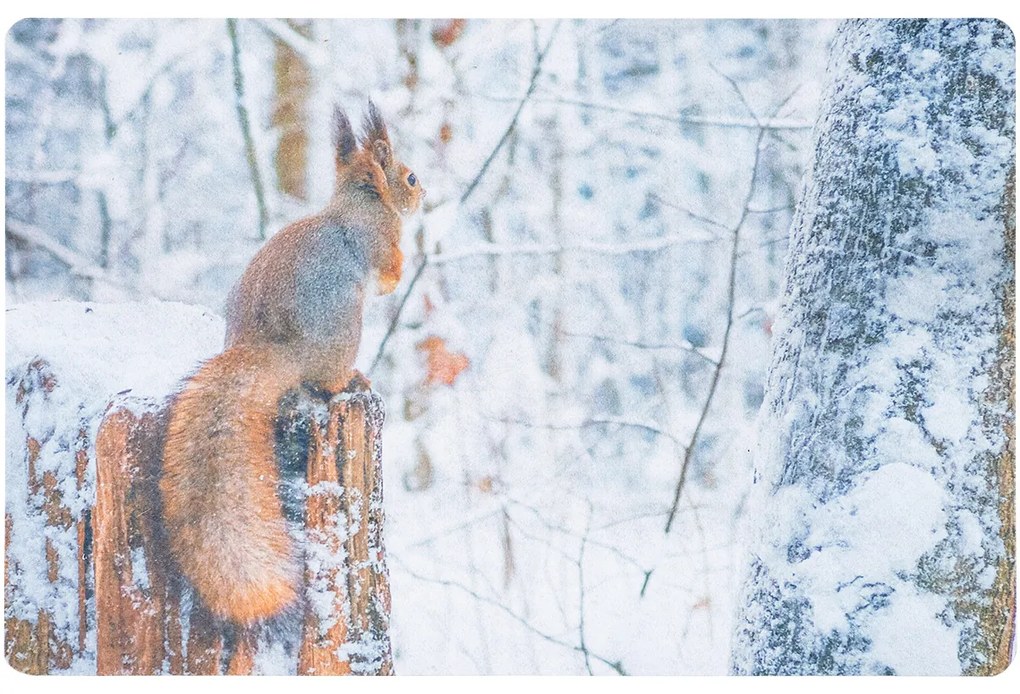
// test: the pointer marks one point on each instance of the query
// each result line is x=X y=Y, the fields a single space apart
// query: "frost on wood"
x=346 y=625
x=89 y=585
x=64 y=361
x=884 y=478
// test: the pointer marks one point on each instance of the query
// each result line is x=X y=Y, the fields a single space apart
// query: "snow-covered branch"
x=717 y=121
x=310 y=51
x=75 y=262
x=619 y=248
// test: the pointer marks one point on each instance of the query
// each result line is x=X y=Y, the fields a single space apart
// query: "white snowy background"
x=611 y=279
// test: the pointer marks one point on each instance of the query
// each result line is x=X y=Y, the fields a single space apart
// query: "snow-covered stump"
x=89 y=583
x=346 y=616
x=46 y=599
x=346 y=628
x=884 y=480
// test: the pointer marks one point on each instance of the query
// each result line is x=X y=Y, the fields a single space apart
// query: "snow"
x=884 y=420
x=867 y=537
x=911 y=636
x=526 y=502
x=98 y=350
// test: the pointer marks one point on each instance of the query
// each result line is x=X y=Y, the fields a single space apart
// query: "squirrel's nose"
x=424 y=192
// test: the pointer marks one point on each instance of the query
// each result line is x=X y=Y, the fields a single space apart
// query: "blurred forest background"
x=575 y=357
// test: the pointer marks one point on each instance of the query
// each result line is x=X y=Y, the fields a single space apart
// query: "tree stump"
x=106 y=596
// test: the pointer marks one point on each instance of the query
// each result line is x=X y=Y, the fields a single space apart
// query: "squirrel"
x=293 y=318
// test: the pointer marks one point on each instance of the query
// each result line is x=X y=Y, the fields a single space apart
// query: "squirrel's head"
x=358 y=174
x=405 y=189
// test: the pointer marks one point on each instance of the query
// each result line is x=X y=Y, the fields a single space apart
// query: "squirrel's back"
x=305 y=286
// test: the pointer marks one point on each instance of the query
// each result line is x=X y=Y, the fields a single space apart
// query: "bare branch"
x=647 y=245
x=770 y=210
x=76 y=263
x=686 y=347
x=461 y=525
x=549 y=525
x=400 y=310
x=580 y=590
x=44 y=177
x=616 y=665
x=740 y=95
x=595 y=422
x=517 y=113
x=771 y=124
x=311 y=52
x=730 y=302
x=690 y=213
x=242 y=117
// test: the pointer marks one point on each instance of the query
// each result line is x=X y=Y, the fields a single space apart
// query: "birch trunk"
x=884 y=507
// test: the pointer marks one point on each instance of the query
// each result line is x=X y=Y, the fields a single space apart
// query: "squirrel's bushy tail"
x=219 y=486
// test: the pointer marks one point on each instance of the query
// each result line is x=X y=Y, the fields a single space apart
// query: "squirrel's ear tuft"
x=374 y=127
x=382 y=153
x=343 y=136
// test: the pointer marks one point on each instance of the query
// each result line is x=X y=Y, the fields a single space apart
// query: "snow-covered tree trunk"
x=884 y=512
x=89 y=585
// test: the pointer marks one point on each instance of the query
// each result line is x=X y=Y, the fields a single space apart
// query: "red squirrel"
x=293 y=318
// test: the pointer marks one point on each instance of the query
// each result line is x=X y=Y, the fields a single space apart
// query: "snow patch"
x=910 y=637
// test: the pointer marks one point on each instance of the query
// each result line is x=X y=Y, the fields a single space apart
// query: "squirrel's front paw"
x=358 y=383
x=385 y=283
x=389 y=274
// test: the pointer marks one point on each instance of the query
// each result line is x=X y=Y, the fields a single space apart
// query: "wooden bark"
x=351 y=636
x=35 y=643
x=145 y=617
x=293 y=81
x=129 y=607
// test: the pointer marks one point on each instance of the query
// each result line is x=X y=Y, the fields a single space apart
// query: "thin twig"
x=517 y=113
x=603 y=421
x=580 y=597
x=549 y=525
x=689 y=348
x=400 y=309
x=242 y=117
x=771 y=210
x=772 y=124
x=448 y=531
x=615 y=665
x=690 y=213
x=730 y=303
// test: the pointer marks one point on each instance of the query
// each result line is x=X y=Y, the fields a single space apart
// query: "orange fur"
x=405 y=191
x=220 y=506
x=294 y=317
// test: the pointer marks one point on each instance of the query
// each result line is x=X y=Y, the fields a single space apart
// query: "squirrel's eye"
x=412 y=180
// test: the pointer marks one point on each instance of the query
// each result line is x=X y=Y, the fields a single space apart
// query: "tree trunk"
x=94 y=590
x=883 y=499
x=293 y=87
